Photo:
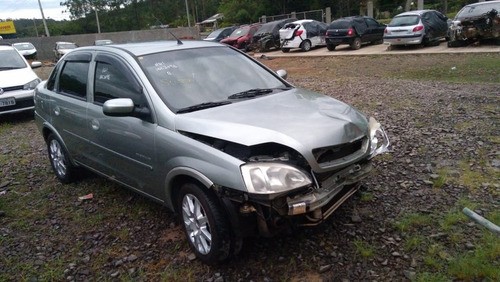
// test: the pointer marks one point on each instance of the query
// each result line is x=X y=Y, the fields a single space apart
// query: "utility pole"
x=187 y=13
x=43 y=19
x=36 y=29
x=97 y=19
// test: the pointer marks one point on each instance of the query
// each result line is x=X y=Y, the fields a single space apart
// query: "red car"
x=242 y=37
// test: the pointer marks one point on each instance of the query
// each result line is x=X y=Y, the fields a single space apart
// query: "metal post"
x=328 y=15
x=43 y=19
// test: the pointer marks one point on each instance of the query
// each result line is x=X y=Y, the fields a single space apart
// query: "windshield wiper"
x=202 y=106
x=254 y=92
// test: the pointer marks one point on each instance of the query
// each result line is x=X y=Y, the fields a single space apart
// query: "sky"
x=29 y=9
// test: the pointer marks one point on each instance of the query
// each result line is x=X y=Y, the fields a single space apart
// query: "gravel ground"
x=439 y=131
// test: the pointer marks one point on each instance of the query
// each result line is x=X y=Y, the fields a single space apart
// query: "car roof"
x=144 y=48
x=64 y=42
x=302 y=21
x=481 y=3
x=417 y=12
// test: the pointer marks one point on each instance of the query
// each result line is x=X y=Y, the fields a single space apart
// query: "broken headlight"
x=379 y=142
x=268 y=178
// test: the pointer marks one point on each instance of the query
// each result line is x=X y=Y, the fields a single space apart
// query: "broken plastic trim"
x=379 y=142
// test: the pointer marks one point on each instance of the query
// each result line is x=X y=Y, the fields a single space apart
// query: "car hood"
x=17 y=77
x=232 y=39
x=297 y=118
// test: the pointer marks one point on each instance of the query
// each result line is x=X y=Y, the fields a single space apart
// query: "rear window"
x=341 y=24
x=405 y=20
x=477 y=10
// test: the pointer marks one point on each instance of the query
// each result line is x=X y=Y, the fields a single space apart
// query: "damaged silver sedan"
x=475 y=22
x=204 y=129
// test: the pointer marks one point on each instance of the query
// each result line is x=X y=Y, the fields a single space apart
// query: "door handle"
x=95 y=124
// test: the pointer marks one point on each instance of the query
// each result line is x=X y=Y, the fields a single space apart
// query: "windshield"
x=23 y=46
x=477 y=10
x=215 y=33
x=405 y=20
x=10 y=59
x=190 y=77
x=66 y=46
x=240 y=31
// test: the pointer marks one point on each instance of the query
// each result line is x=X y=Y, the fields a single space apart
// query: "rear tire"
x=205 y=224
x=356 y=43
x=331 y=47
x=58 y=156
x=305 y=46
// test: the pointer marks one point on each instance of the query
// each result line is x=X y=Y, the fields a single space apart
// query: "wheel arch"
x=48 y=129
x=176 y=177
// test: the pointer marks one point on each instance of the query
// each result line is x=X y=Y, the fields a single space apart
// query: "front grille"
x=333 y=153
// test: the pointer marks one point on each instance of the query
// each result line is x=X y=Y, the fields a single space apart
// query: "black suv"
x=354 y=31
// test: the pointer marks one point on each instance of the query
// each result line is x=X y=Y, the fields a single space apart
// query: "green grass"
x=481 y=264
x=367 y=197
x=412 y=221
x=414 y=242
x=364 y=249
x=473 y=68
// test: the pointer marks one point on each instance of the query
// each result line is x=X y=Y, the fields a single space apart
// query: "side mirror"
x=282 y=73
x=118 y=107
x=36 y=64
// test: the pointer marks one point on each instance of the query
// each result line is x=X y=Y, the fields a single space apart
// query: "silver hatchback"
x=204 y=129
x=422 y=27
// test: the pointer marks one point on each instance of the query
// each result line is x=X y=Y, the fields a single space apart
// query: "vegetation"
x=123 y=15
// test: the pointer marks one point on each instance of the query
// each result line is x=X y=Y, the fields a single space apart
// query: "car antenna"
x=179 y=42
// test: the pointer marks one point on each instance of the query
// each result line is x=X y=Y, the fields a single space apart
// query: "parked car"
x=26 y=49
x=61 y=48
x=17 y=81
x=221 y=33
x=422 y=27
x=475 y=22
x=354 y=31
x=103 y=42
x=242 y=37
x=251 y=157
x=303 y=34
x=268 y=36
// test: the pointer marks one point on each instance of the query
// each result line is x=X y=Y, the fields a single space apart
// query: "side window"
x=51 y=82
x=111 y=83
x=73 y=79
x=372 y=23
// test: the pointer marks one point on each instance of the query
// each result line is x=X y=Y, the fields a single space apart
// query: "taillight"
x=418 y=28
x=298 y=32
x=350 y=32
x=386 y=31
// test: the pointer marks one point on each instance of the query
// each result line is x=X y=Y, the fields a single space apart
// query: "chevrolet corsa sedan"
x=251 y=157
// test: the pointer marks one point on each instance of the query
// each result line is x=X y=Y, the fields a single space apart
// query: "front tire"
x=63 y=168
x=205 y=224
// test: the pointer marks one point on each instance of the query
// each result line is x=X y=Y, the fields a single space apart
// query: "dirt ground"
x=445 y=155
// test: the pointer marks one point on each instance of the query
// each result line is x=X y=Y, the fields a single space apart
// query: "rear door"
x=69 y=104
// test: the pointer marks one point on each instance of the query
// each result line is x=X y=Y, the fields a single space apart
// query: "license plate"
x=7 y=102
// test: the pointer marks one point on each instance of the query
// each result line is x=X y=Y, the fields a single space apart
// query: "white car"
x=303 y=34
x=26 y=49
x=62 y=48
x=17 y=81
